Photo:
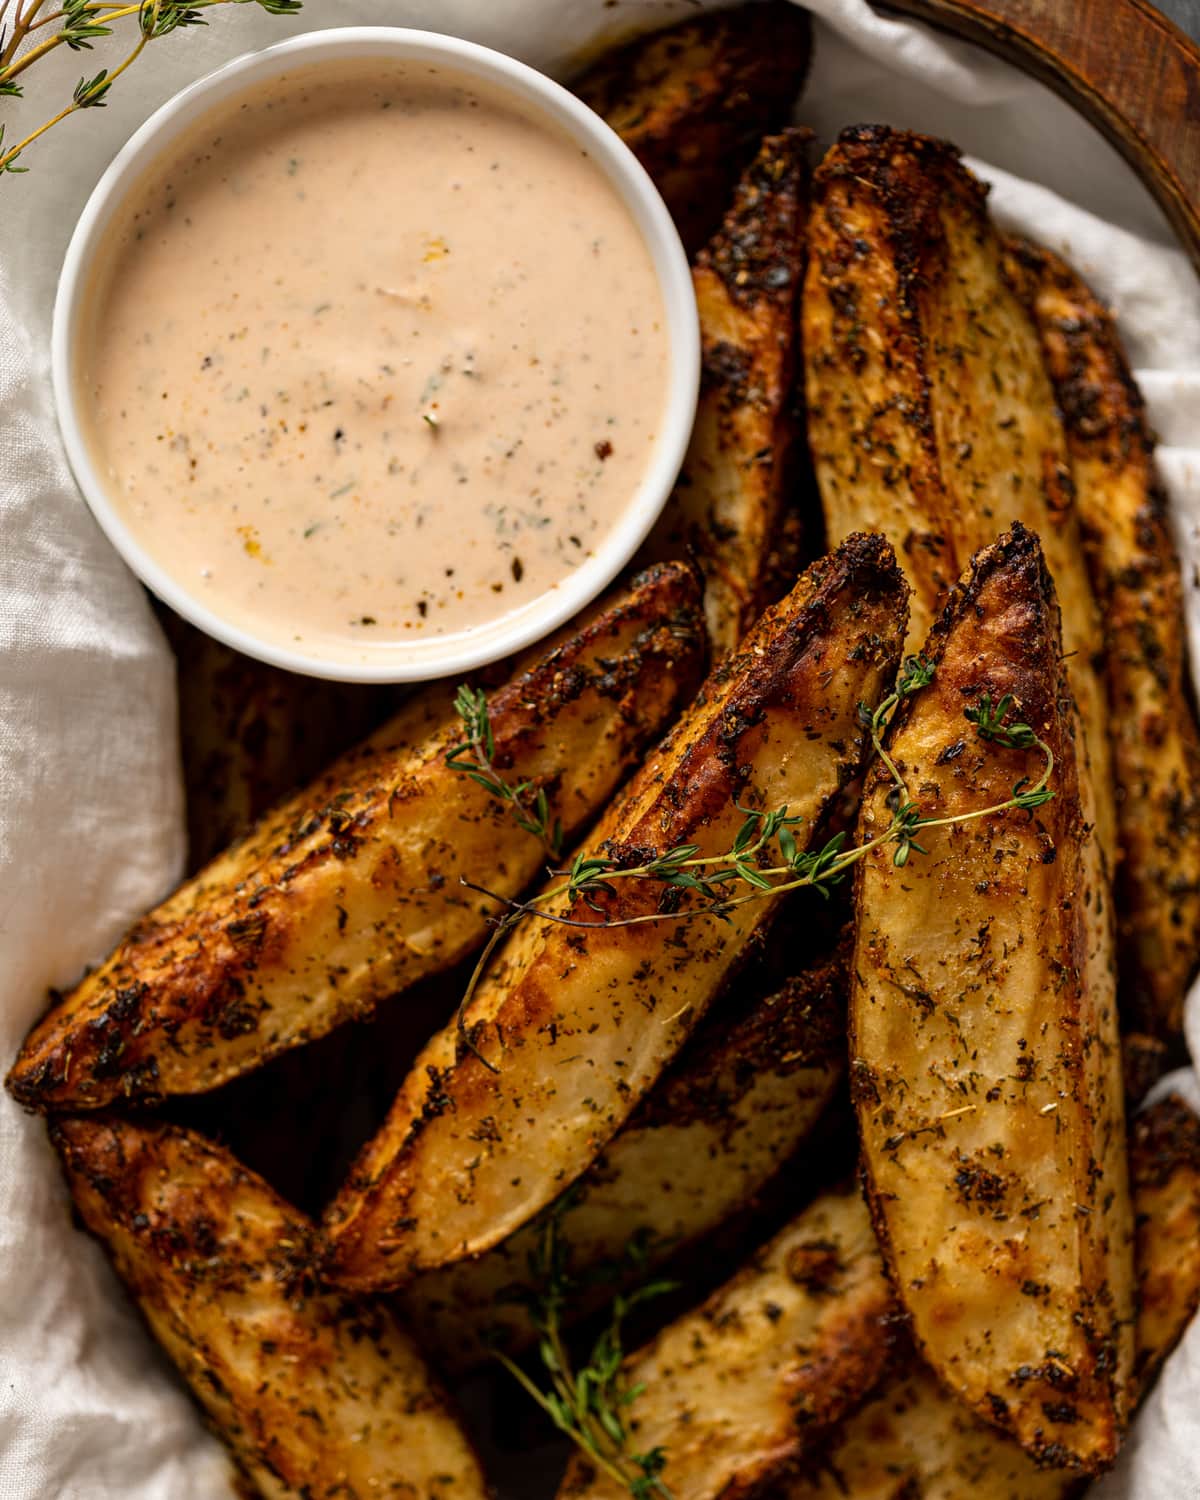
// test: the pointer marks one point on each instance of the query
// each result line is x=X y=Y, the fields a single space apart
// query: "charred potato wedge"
x=930 y=414
x=694 y=100
x=725 y=1117
x=728 y=505
x=250 y=733
x=985 y=1057
x=736 y=1390
x=315 y=1393
x=350 y=890
x=1127 y=541
x=913 y=1441
x=573 y=1023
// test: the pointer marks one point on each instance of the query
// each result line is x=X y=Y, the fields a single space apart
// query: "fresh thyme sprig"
x=589 y=1403
x=475 y=755
x=80 y=23
x=765 y=858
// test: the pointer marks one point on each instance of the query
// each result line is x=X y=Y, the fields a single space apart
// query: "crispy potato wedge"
x=250 y=733
x=730 y=1111
x=350 y=890
x=930 y=414
x=737 y=1389
x=573 y=1023
x=1135 y=572
x=727 y=507
x=1164 y=1165
x=914 y=1441
x=985 y=1058
x=315 y=1393
x=694 y=100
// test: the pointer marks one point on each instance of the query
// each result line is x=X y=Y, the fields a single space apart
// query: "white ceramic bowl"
x=395 y=660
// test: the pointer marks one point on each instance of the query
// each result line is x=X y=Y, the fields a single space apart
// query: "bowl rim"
x=437 y=656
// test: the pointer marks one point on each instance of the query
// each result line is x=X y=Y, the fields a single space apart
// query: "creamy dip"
x=372 y=352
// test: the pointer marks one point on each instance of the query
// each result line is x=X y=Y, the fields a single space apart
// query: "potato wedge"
x=694 y=100
x=1164 y=1166
x=985 y=1058
x=1135 y=572
x=350 y=891
x=930 y=414
x=913 y=1441
x=250 y=733
x=573 y=1023
x=315 y=1393
x=730 y=1111
x=728 y=504
x=736 y=1390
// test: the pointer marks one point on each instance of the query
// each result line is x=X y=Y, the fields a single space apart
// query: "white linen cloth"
x=90 y=814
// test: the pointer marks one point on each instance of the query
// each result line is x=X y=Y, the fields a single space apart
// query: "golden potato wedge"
x=350 y=890
x=728 y=504
x=1164 y=1166
x=736 y=1390
x=573 y=1023
x=914 y=1441
x=985 y=1058
x=1135 y=572
x=930 y=414
x=730 y=1111
x=250 y=733
x=694 y=100
x=315 y=1393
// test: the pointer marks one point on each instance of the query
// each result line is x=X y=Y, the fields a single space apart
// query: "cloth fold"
x=91 y=829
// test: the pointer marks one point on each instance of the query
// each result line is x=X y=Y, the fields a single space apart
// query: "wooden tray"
x=1121 y=63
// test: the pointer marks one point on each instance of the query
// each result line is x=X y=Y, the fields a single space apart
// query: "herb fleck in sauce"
x=371 y=352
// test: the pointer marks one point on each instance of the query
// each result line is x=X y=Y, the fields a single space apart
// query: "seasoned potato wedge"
x=573 y=1023
x=728 y=503
x=1164 y=1165
x=930 y=414
x=913 y=1441
x=316 y=1394
x=250 y=733
x=723 y=1119
x=350 y=890
x=694 y=100
x=984 y=1051
x=1127 y=540
x=736 y=1390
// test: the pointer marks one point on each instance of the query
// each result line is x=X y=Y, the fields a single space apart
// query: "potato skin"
x=693 y=101
x=930 y=414
x=1135 y=572
x=350 y=891
x=579 y=1021
x=735 y=1105
x=317 y=1394
x=985 y=1059
x=913 y=1441
x=249 y=733
x=729 y=503
x=738 y=1389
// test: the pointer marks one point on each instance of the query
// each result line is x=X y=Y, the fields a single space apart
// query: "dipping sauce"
x=372 y=353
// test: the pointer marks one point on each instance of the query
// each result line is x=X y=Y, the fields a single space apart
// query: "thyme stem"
x=714 y=877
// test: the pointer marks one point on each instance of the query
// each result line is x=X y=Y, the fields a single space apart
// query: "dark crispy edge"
x=1163 y=1139
x=761 y=237
x=1019 y=551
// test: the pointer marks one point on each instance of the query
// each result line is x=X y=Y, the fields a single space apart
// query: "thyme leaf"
x=764 y=858
x=588 y=1403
